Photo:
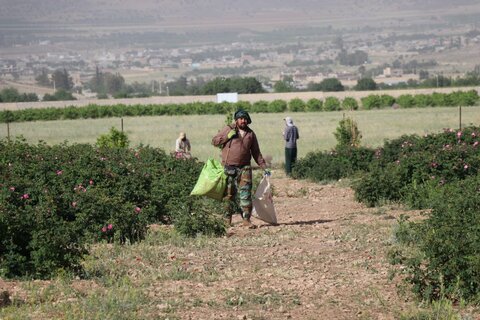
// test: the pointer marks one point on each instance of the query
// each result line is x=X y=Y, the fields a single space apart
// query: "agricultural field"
x=316 y=128
x=327 y=259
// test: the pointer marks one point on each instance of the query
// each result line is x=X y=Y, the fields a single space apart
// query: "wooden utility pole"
x=460 y=117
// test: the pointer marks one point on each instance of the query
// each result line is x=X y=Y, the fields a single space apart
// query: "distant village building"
x=247 y=58
x=347 y=76
x=299 y=76
x=155 y=62
x=389 y=72
x=76 y=79
x=187 y=62
x=315 y=78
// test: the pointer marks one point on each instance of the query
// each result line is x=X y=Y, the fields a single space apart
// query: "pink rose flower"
x=74 y=204
x=138 y=209
x=12 y=189
x=104 y=229
x=59 y=172
x=26 y=196
x=110 y=226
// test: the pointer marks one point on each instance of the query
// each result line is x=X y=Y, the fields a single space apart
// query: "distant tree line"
x=60 y=79
x=12 y=95
x=471 y=78
x=107 y=84
x=365 y=83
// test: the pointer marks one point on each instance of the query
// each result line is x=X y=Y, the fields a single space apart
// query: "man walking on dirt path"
x=290 y=135
x=239 y=144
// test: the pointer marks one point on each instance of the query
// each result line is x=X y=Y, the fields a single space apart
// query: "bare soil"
x=326 y=259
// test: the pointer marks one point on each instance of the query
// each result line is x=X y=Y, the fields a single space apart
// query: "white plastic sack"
x=263 y=207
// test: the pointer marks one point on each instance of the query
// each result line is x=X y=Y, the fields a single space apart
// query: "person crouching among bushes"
x=182 y=147
x=239 y=144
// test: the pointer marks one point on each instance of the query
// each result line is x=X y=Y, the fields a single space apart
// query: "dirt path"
x=325 y=260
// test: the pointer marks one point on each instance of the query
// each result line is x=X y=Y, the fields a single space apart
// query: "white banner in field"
x=227 y=97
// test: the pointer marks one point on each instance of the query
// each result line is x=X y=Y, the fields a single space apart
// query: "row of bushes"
x=56 y=200
x=440 y=256
x=452 y=99
x=469 y=98
x=438 y=172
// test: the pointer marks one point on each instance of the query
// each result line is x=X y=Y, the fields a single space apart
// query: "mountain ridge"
x=191 y=12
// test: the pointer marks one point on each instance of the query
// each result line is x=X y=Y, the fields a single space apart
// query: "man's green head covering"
x=242 y=114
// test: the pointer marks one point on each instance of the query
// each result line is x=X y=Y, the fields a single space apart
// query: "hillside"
x=248 y=13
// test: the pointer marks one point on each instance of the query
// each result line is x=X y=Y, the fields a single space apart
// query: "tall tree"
x=246 y=85
x=9 y=94
x=42 y=79
x=366 y=84
x=113 y=83
x=283 y=86
x=178 y=87
x=96 y=83
x=331 y=84
x=107 y=82
x=217 y=85
x=62 y=79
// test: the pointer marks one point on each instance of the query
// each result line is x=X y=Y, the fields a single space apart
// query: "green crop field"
x=316 y=129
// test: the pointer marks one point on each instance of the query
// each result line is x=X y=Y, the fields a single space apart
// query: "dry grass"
x=316 y=129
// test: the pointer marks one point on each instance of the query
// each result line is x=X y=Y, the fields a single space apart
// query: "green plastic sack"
x=212 y=181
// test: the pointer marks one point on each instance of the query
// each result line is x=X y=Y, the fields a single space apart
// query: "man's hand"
x=231 y=134
x=267 y=172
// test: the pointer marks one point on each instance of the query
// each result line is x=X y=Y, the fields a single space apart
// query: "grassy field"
x=316 y=129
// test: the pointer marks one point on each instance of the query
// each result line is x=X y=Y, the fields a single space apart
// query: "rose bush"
x=56 y=200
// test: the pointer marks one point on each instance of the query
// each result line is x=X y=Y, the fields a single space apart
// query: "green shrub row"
x=458 y=98
x=57 y=200
x=440 y=172
x=440 y=256
x=409 y=162
x=333 y=165
x=93 y=111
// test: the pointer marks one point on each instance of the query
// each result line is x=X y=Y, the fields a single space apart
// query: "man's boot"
x=227 y=221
